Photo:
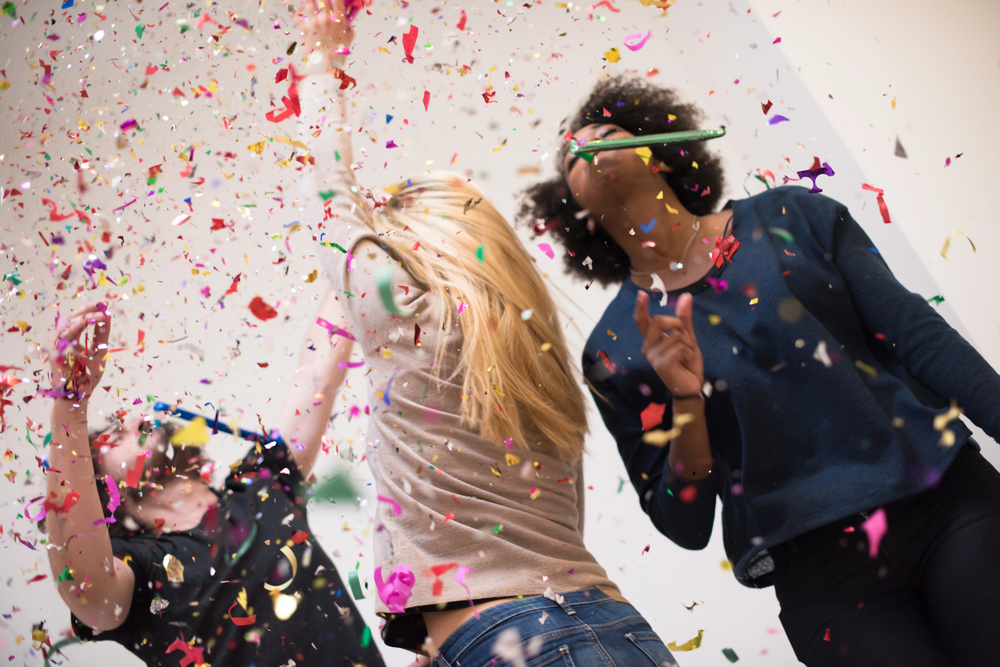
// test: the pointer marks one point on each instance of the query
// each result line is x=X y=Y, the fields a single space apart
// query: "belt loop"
x=561 y=601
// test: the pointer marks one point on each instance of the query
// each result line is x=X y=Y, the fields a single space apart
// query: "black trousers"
x=931 y=597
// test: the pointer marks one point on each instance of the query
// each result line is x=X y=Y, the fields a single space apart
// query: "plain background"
x=851 y=76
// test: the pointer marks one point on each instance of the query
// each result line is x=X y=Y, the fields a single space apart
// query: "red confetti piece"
x=192 y=655
x=409 y=41
x=607 y=114
x=883 y=209
x=300 y=536
x=724 y=248
x=151 y=70
x=766 y=107
x=291 y=101
x=248 y=620
x=652 y=415
x=427 y=93
x=688 y=494
x=261 y=310
x=488 y=97
x=135 y=474
x=437 y=571
x=461 y=21
x=605 y=3
x=236 y=282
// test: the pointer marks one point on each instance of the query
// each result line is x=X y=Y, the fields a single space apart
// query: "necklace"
x=676 y=266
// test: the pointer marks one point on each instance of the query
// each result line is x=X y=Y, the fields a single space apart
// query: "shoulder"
x=792 y=200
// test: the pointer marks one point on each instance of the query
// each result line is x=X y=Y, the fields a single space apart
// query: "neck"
x=666 y=243
x=180 y=504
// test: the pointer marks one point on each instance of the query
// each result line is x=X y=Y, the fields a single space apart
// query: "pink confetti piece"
x=335 y=330
x=460 y=580
x=547 y=249
x=396 y=590
x=876 y=527
x=350 y=364
x=41 y=514
x=777 y=41
x=115 y=499
x=396 y=509
x=427 y=93
x=640 y=44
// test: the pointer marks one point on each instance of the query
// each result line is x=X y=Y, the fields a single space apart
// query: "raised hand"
x=326 y=26
x=670 y=346
x=78 y=365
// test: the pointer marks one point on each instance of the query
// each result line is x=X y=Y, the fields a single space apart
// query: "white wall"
x=941 y=65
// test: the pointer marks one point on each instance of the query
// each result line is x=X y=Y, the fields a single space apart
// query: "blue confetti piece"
x=388 y=119
x=648 y=228
x=67 y=4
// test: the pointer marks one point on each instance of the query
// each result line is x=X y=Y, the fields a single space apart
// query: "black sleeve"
x=145 y=556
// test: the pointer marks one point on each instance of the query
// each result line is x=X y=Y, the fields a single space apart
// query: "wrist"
x=688 y=398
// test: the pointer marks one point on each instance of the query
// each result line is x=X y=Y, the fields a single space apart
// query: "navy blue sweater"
x=800 y=438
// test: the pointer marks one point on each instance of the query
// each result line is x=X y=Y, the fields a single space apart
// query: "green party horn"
x=588 y=148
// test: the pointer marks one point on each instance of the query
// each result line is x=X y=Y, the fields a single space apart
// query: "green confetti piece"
x=384 y=279
x=498 y=528
x=8 y=8
x=139 y=29
x=327 y=195
x=366 y=637
x=48 y=439
x=328 y=244
x=479 y=254
x=936 y=300
x=621 y=484
x=66 y=575
x=783 y=234
x=359 y=594
x=730 y=654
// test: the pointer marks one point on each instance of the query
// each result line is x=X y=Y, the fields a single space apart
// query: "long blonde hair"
x=516 y=371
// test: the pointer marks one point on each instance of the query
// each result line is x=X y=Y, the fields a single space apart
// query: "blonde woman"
x=477 y=417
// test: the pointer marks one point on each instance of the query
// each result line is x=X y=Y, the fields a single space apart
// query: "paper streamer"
x=248 y=620
x=460 y=580
x=352 y=578
x=290 y=555
x=947 y=243
x=350 y=364
x=395 y=591
x=396 y=509
x=115 y=499
x=384 y=279
x=876 y=527
x=192 y=655
x=640 y=44
x=883 y=209
x=334 y=330
x=41 y=514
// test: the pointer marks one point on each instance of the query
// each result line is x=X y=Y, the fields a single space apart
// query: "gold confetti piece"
x=613 y=335
x=384 y=50
x=659 y=437
x=726 y=565
x=546 y=347
x=753 y=301
x=241 y=598
x=660 y=196
x=194 y=434
x=645 y=153
x=947 y=243
x=870 y=370
x=941 y=421
x=671 y=210
x=714 y=319
x=689 y=645
x=312 y=276
x=513 y=459
x=290 y=555
x=287 y=140
x=174 y=568
x=257 y=148
x=613 y=56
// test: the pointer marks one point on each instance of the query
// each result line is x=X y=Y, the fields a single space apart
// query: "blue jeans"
x=585 y=629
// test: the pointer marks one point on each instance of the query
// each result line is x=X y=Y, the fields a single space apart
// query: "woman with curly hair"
x=778 y=365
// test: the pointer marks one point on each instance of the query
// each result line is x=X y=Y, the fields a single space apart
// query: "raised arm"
x=309 y=399
x=925 y=345
x=100 y=590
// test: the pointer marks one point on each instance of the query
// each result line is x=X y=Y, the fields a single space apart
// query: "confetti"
x=396 y=590
x=133 y=476
x=689 y=645
x=777 y=118
x=883 y=209
x=730 y=654
x=396 y=509
x=290 y=555
x=384 y=280
x=613 y=56
x=947 y=243
x=637 y=45
x=875 y=526
x=409 y=41
x=352 y=578
x=261 y=310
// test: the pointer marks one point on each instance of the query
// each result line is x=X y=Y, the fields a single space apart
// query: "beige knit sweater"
x=514 y=516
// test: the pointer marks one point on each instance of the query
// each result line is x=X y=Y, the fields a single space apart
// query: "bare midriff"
x=440 y=624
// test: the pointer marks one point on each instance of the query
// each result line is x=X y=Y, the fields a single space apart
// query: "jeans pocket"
x=559 y=657
x=653 y=647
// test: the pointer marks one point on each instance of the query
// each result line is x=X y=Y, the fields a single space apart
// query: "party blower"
x=587 y=149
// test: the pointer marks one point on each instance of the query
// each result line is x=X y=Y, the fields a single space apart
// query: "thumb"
x=685 y=308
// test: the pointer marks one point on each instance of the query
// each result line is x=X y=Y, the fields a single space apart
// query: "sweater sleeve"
x=663 y=495
x=921 y=340
x=335 y=207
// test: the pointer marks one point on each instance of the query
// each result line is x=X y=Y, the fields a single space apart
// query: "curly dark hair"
x=639 y=108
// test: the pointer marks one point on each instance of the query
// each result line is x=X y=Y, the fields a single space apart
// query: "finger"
x=89 y=308
x=102 y=332
x=685 y=313
x=667 y=324
x=73 y=329
x=641 y=314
